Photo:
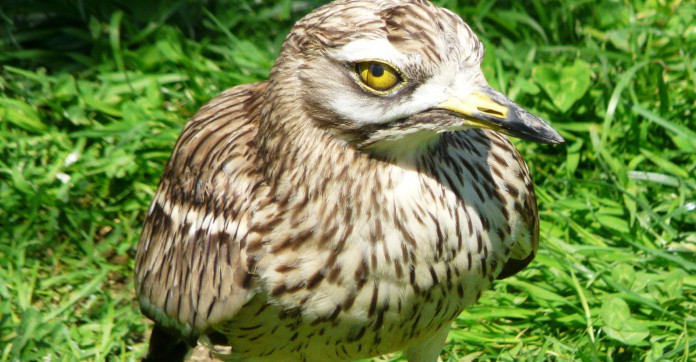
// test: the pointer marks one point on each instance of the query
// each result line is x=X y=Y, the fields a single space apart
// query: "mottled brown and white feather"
x=190 y=266
x=291 y=226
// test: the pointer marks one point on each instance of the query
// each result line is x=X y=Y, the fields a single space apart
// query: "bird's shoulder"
x=222 y=131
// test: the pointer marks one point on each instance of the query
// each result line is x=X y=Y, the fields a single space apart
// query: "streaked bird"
x=350 y=206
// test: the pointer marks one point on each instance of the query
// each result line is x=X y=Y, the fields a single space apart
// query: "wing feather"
x=190 y=269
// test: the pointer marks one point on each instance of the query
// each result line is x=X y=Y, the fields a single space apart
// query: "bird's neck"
x=295 y=153
x=300 y=158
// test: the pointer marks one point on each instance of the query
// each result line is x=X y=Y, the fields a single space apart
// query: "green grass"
x=93 y=95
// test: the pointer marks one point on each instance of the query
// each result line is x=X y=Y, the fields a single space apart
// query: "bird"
x=350 y=206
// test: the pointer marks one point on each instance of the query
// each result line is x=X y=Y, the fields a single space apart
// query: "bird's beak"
x=488 y=108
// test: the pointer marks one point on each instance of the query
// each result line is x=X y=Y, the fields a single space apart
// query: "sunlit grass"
x=92 y=97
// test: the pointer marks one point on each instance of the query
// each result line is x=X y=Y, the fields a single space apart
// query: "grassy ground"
x=93 y=95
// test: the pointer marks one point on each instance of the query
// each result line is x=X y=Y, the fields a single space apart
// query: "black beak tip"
x=555 y=139
x=546 y=135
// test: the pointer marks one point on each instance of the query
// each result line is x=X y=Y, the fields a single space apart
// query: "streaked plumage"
x=316 y=217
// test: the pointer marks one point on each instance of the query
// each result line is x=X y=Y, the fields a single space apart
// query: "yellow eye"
x=378 y=76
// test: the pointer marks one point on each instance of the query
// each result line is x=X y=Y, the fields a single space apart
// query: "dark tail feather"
x=165 y=347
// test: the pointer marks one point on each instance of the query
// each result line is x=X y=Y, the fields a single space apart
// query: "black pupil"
x=377 y=70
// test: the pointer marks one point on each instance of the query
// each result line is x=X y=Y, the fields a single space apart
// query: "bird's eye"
x=378 y=76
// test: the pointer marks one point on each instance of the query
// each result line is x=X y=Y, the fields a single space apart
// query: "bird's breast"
x=387 y=252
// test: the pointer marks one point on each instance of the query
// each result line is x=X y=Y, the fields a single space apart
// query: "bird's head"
x=391 y=75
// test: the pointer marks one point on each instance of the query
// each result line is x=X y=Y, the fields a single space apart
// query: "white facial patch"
x=369 y=49
x=461 y=81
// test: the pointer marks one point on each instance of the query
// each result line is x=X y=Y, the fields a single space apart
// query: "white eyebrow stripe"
x=366 y=49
